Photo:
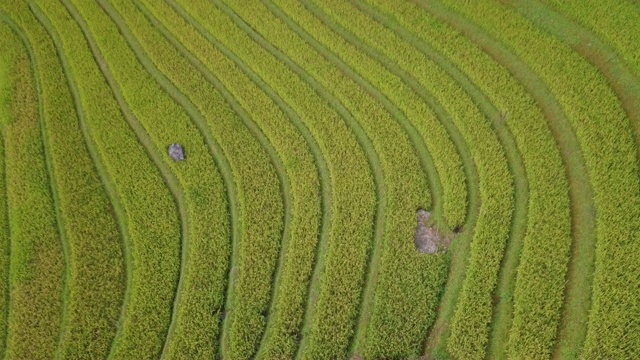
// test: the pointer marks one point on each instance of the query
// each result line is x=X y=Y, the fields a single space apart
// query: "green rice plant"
x=402 y=175
x=353 y=193
x=403 y=330
x=297 y=260
x=409 y=323
x=152 y=226
x=544 y=171
x=160 y=50
x=84 y=210
x=496 y=198
x=313 y=131
x=496 y=195
x=399 y=99
x=582 y=210
x=548 y=233
x=412 y=113
x=604 y=34
x=36 y=270
x=616 y=22
x=205 y=238
x=605 y=134
x=599 y=40
x=403 y=54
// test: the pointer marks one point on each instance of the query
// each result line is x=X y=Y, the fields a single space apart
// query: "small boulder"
x=176 y=153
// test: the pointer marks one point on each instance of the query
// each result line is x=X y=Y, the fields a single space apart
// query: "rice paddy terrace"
x=319 y=179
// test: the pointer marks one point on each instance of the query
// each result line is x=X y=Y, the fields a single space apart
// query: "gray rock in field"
x=176 y=152
x=427 y=239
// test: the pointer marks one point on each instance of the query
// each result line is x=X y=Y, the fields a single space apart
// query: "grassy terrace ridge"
x=626 y=86
x=7 y=85
x=320 y=118
x=378 y=36
x=603 y=181
x=300 y=188
x=36 y=267
x=209 y=232
x=583 y=218
x=290 y=223
x=344 y=187
x=328 y=339
x=185 y=337
x=458 y=265
x=5 y=235
x=104 y=108
x=603 y=163
x=413 y=337
x=260 y=96
x=86 y=211
x=524 y=138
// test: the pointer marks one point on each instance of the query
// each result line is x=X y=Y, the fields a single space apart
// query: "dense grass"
x=300 y=194
x=615 y=22
x=207 y=229
x=148 y=220
x=398 y=327
x=519 y=132
x=415 y=116
x=613 y=166
x=548 y=215
x=610 y=114
x=624 y=82
x=580 y=193
x=338 y=313
x=86 y=214
x=492 y=192
x=327 y=340
x=257 y=280
x=313 y=131
x=304 y=18
x=333 y=134
x=412 y=59
x=37 y=260
x=296 y=273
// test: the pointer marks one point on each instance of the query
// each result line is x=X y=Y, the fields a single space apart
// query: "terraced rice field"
x=315 y=134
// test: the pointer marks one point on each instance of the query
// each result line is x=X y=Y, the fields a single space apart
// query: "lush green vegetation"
x=6 y=93
x=37 y=264
x=94 y=253
x=304 y=178
x=313 y=133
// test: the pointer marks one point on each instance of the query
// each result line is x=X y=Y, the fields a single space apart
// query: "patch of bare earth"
x=428 y=239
